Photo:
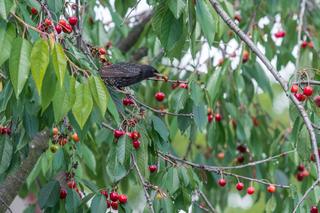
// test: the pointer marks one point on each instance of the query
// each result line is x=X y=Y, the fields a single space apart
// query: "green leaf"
x=64 y=99
x=83 y=104
x=200 y=116
x=6 y=150
x=34 y=173
x=92 y=186
x=98 y=204
x=58 y=160
x=6 y=6
x=172 y=180
x=206 y=19
x=72 y=201
x=59 y=62
x=88 y=158
x=99 y=93
x=19 y=64
x=176 y=7
x=39 y=62
x=214 y=84
x=196 y=93
x=271 y=204
x=48 y=88
x=121 y=149
x=160 y=127
x=49 y=194
x=6 y=37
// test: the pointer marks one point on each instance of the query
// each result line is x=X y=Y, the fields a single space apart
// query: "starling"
x=125 y=74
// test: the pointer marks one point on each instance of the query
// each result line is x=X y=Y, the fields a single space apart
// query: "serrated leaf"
x=98 y=204
x=121 y=149
x=19 y=64
x=99 y=93
x=83 y=104
x=6 y=6
x=88 y=158
x=64 y=99
x=196 y=93
x=39 y=62
x=49 y=194
x=6 y=150
x=199 y=113
x=6 y=38
x=172 y=180
x=160 y=127
x=176 y=7
x=72 y=201
x=59 y=62
x=206 y=19
x=214 y=84
x=48 y=88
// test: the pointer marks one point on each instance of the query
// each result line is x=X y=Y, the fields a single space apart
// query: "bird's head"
x=149 y=71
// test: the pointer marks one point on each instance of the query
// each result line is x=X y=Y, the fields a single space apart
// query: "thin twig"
x=28 y=25
x=133 y=8
x=300 y=24
x=148 y=198
x=312 y=82
x=216 y=5
x=168 y=80
x=6 y=205
x=217 y=170
x=305 y=195
x=206 y=200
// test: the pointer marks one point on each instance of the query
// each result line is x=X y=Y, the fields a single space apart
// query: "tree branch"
x=13 y=182
x=305 y=195
x=148 y=198
x=215 y=4
x=206 y=200
x=215 y=169
x=127 y=43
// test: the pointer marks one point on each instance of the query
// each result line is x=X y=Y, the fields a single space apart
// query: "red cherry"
x=127 y=101
x=245 y=56
x=218 y=117
x=114 y=205
x=136 y=144
x=222 y=182
x=239 y=186
x=63 y=193
x=310 y=44
x=240 y=159
x=300 y=176
x=73 y=20
x=159 y=96
x=308 y=91
x=300 y=97
x=67 y=28
x=114 y=196
x=250 y=190
x=104 y=192
x=304 y=44
x=183 y=86
x=75 y=137
x=62 y=22
x=237 y=17
x=255 y=121
x=58 y=29
x=47 y=22
x=305 y=173
x=108 y=203
x=313 y=209
x=280 y=34
x=316 y=100
x=271 y=188
x=102 y=51
x=153 y=168
x=242 y=148
x=34 y=11
x=118 y=133
x=135 y=135
x=301 y=168
x=294 y=88
x=72 y=184
x=123 y=199
x=210 y=118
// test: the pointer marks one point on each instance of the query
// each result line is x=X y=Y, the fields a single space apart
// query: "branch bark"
x=13 y=182
x=225 y=17
x=127 y=43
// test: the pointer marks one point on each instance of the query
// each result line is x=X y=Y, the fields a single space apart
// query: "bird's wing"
x=122 y=70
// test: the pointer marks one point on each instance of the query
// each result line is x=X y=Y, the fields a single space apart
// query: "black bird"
x=125 y=74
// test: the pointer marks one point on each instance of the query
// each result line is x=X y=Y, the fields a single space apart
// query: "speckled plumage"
x=126 y=74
